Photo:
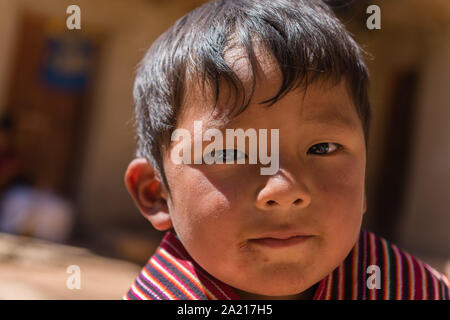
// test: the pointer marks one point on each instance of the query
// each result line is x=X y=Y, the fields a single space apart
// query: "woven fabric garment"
x=171 y=274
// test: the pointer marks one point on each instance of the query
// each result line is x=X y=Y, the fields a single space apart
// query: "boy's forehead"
x=267 y=76
x=322 y=102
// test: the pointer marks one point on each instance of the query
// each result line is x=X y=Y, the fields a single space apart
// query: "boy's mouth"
x=280 y=239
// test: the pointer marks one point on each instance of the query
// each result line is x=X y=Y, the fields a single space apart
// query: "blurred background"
x=66 y=137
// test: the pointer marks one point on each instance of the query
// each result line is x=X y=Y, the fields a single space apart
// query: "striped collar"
x=172 y=274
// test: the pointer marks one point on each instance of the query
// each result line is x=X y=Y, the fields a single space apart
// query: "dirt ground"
x=36 y=269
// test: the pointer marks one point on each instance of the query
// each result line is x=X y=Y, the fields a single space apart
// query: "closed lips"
x=278 y=241
x=282 y=235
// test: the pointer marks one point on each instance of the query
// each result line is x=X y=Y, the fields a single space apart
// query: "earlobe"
x=159 y=216
x=146 y=191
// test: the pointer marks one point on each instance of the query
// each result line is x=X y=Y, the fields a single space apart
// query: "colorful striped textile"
x=171 y=274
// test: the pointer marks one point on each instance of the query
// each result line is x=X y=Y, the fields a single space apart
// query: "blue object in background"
x=67 y=62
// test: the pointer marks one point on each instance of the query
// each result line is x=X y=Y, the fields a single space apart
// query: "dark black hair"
x=304 y=36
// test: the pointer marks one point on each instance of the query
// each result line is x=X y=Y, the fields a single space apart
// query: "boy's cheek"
x=210 y=182
x=340 y=199
x=197 y=196
x=345 y=178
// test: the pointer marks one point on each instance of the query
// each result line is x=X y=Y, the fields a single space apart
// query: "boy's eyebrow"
x=331 y=118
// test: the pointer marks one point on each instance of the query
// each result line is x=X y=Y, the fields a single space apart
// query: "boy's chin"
x=278 y=293
x=280 y=289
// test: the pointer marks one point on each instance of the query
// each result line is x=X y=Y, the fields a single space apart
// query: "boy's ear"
x=145 y=188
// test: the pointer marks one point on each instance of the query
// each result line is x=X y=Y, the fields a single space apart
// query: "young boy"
x=233 y=231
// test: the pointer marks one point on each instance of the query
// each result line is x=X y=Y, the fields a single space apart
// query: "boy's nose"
x=282 y=191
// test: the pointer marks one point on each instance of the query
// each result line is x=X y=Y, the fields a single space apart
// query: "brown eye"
x=227 y=155
x=324 y=148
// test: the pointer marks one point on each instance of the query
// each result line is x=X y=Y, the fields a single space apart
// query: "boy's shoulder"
x=172 y=274
x=374 y=269
x=377 y=269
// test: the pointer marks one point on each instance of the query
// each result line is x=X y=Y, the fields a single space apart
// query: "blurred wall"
x=426 y=226
x=414 y=35
x=8 y=31
x=129 y=27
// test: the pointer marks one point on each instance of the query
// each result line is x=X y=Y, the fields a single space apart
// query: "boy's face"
x=219 y=210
